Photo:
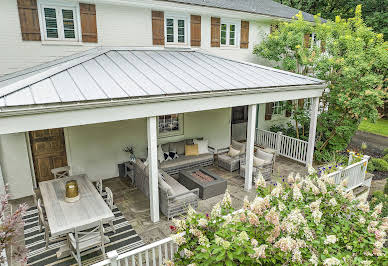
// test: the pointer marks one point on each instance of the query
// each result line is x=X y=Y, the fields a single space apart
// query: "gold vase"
x=72 y=193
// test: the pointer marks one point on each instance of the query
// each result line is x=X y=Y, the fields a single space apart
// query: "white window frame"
x=58 y=6
x=177 y=17
x=178 y=132
x=237 y=30
x=278 y=108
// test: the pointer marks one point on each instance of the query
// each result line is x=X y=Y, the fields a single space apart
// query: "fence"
x=355 y=173
x=286 y=146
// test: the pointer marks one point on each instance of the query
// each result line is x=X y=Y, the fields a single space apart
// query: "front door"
x=48 y=152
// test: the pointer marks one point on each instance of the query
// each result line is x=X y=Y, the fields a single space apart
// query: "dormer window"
x=176 y=30
x=229 y=33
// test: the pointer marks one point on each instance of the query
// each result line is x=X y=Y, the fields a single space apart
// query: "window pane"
x=51 y=22
x=232 y=27
x=181 y=23
x=68 y=24
x=170 y=22
x=170 y=30
x=223 y=33
x=223 y=27
x=231 y=42
x=181 y=38
x=181 y=30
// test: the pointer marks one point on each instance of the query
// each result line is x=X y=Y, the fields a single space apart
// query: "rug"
x=124 y=239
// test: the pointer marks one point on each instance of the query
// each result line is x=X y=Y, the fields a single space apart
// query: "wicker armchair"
x=266 y=169
x=232 y=163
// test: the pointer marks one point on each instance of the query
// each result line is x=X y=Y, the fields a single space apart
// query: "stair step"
x=359 y=190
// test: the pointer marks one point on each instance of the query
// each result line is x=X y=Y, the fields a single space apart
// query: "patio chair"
x=266 y=168
x=229 y=163
x=99 y=186
x=109 y=201
x=81 y=240
x=44 y=224
x=61 y=172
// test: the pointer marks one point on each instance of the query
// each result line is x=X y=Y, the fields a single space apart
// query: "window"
x=228 y=34
x=278 y=107
x=170 y=125
x=239 y=114
x=176 y=30
x=59 y=22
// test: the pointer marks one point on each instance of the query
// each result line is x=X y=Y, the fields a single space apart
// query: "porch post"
x=250 y=146
x=313 y=128
x=153 y=168
x=2 y=185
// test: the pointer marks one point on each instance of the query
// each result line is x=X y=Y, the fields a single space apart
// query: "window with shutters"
x=59 y=22
x=170 y=125
x=278 y=107
x=229 y=33
x=176 y=30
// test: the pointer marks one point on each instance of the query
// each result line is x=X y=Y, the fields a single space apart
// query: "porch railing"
x=286 y=146
x=354 y=172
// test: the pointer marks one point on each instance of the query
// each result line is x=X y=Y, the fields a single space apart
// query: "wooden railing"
x=286 y=146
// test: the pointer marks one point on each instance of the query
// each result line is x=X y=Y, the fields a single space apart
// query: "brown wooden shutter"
x=195 y=30
x=88 y=22
x=288 y=111
x=157 y=27
x=215 y=32
x=29 y=20
x=307 y=40
x=244 y=41
x=323 y=46
x=300 y=103
x=268 y=111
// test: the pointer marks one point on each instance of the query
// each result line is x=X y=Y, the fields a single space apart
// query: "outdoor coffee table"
x=208 y=183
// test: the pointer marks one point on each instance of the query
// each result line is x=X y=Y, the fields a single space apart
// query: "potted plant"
x=131 y=150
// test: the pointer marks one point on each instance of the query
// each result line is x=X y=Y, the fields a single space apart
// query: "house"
x=81 y=80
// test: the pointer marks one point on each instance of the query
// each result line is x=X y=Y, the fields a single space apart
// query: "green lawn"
x=379 y=128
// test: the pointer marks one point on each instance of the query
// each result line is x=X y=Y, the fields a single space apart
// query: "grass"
x=378 y=128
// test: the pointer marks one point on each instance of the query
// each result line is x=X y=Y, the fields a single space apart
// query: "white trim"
x=250 y=146
x=313 y=128
x=237 y=32
x=30 y=159
x=176 y=17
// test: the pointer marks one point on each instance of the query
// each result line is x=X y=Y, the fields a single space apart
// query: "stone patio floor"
x=135 y=206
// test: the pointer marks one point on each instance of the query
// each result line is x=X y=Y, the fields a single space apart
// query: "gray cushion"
x=163 y=185
x=185 y=160
x=166 y=147
x=189 y=141
x=178 y=188
x=179 y=147
x=238 y=146
x=264 y=155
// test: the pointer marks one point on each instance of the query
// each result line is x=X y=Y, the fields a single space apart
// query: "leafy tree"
x=345 y=53
x=375 y=11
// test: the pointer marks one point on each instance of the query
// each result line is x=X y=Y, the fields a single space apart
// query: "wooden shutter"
x=88 y=22
x=307 y=40
x=288 y=111
x=195 y=30
x=29 y=20
x=268 y=111
x=244 y=40
x=157 y=27
x=215 y=32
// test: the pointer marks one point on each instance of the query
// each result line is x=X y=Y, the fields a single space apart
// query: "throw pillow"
x=233 y=152
x=258 y=162
x=160 y=154
x=264 y=155
x=173 y=155
x=202 y=146
x=191 y=150
x=166 y=156
x=238 y=146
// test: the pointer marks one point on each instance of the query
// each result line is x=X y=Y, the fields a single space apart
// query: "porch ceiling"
x=105 y=75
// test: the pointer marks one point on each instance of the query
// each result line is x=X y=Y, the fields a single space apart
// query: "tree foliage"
x=349 y=56
x=375 y=11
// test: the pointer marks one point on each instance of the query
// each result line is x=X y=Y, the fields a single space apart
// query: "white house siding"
x=15 y=164
x=116 y=25
x=275 y=119
x=97 y=149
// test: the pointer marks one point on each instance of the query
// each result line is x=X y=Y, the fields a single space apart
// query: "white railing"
x=286 y=146
x=354 y=173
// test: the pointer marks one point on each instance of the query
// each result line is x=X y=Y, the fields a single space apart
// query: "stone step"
x=360 y=190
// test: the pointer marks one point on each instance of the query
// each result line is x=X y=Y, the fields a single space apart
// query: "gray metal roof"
x=263 y=7
x=106 y=74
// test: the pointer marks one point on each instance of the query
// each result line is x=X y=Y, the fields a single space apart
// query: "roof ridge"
x=262 y=67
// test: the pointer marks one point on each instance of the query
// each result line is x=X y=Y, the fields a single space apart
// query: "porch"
x=135 y=206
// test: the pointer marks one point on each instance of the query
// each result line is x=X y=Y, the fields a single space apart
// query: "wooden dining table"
x=63 y=217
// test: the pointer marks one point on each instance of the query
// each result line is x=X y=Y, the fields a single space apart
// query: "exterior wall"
x=15 y=165
x=97 y=149
x=117 y=25
x=275 y=120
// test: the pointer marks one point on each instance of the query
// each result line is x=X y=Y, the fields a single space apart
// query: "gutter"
x=7 y=111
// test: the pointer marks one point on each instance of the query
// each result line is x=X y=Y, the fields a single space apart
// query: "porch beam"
x=313 y=129
x=250 y=146
x=153 y=168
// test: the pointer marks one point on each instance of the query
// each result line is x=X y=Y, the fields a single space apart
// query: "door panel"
x=48 y=152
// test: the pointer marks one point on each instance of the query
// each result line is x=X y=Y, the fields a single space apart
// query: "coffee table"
x=208 y=183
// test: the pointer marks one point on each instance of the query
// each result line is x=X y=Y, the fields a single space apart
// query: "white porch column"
x=250 y=146
x=153 y=168
x=2 y=185
x=313 y=128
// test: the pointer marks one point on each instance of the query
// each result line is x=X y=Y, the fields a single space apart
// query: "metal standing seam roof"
x=130 y=73
x=262 y=7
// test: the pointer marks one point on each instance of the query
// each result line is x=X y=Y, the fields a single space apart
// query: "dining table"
x=63 y=217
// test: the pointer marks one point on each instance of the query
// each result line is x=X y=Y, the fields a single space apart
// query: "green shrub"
x=385 y=157
x=385 y=151
x=380 y=164
x=386 y=187
x=380 y=197
x=370 y=167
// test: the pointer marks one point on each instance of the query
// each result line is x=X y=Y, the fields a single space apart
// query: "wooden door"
x=48 y=152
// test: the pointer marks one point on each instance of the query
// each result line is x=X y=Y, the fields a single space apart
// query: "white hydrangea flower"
x=317 y=216
x=362 y=220
x=243 y=236
x=188 y=253
x=331 y=261
x=281 y=206
x=190 y=211
x=180 y=224
x=322 y=186
x=290 y=178
x=344 y=182
x=297 y=178
x=259 y=252
x=179 y=239
x=366 y=262
x=202 y=222
x=277 y=191
x=378 y=208
x=333 y=202
x=363 y=206
x=349 y=195
x=286 y=244
x=254 y=242
x=315 y=204
x=246 y=203
x=227 y=201
x=296 y=194
x=296 y=256
x=216 y=211
x=314 y=260
x=167 y=262
x=260 y=181
x=311 y=169
x=330 y=239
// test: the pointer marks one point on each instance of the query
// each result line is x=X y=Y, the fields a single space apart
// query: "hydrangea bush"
x=301 y=220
